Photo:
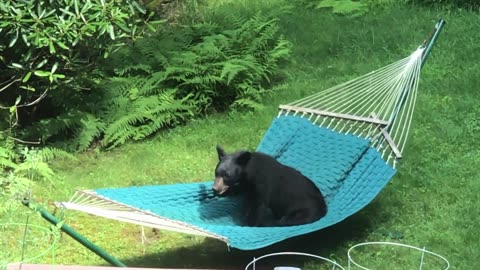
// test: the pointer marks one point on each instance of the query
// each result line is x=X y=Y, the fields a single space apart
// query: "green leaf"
x=59 y=225
x=27 y=77
x=17 y=101
x=27 y=87
x=62 y=45
x=138 y=7
x=54 y=67
x=13 y=40
x=42 y=63
x=67 y=12
x=157 y=21
x=151 y=28
x=75 y=5
x=110 y=31
x=51 y=47
x=25 y=39
x=17 y=65
x=41 y=73
x=41 y=12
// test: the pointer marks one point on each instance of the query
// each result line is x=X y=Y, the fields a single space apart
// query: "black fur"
x=276 y=195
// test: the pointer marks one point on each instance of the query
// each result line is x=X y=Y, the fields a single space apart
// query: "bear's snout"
x=219 y=186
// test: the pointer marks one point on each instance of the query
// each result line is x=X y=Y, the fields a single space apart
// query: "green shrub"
x=172 y=77
x=49 y=44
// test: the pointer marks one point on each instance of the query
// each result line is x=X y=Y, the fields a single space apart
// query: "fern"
x=36 y=170
x=231 y=68
x=6 y=158
x=22 y=170
x=92 y=129
x=149 y=114
x=47 y=154
x=171 y=77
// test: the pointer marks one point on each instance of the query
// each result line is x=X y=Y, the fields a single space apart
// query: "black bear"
x=276 y=194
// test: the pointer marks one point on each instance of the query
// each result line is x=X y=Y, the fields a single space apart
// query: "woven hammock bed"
x=348 y=139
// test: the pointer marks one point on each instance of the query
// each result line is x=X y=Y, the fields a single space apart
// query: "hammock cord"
x=388 y=93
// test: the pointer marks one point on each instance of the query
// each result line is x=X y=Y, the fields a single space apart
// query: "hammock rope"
x=88 y=201
x=362 y=106
x=347 y=139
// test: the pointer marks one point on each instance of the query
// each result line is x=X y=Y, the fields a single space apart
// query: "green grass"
x=431 y=202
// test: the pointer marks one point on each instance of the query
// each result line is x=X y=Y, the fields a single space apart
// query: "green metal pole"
x=437 y=30
x=431 y=40
x=75 y=235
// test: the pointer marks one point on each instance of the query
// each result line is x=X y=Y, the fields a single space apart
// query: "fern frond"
x=151 y=84
x=236 y=20
x=49 y=153
x=247 y=67
x=131 y=68
x=230 y=70
x=35 y=170
x=123 y=128
x=6 y=158
x=92 y=128
x=282 y=50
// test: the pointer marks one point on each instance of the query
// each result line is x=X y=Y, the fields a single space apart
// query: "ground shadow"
x=211 y=253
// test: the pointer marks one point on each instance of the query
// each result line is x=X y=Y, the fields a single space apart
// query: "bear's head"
x=230 y=170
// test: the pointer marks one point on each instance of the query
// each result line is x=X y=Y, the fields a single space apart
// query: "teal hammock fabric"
x=348 y=171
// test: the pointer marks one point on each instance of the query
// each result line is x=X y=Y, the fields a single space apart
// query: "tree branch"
x=22 y=141
x=9 y=84
x=35 y=101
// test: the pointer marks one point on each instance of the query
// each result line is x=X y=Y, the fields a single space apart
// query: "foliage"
x=50 y=44
x=167 y=79
x=432 y=201
x=20 y=169
x=467 y=4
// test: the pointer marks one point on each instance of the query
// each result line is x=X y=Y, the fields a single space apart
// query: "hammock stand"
x=348 y=139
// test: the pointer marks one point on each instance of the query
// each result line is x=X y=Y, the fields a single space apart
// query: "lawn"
x=431 y=202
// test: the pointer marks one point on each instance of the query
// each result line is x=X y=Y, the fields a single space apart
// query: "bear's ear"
x=243 y=158
x=220 y=152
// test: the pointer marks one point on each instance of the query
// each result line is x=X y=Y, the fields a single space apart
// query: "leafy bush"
x=48 y=44
x=169 y=78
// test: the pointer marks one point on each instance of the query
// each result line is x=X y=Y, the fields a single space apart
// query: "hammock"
x=348 y=139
